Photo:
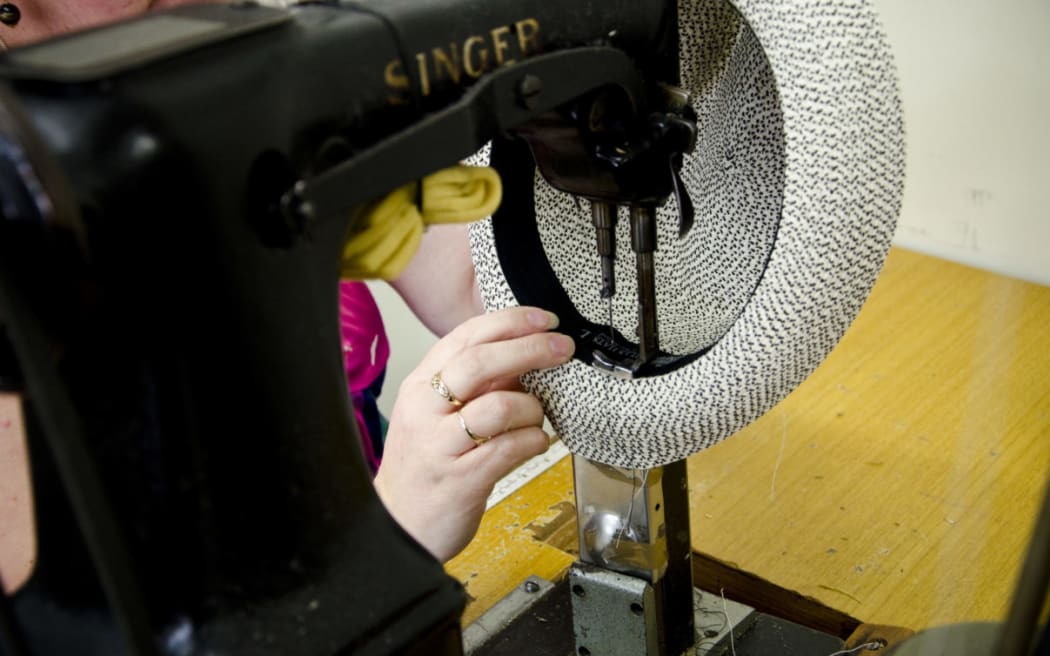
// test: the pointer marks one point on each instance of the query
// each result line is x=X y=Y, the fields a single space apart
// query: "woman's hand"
x=441 y=459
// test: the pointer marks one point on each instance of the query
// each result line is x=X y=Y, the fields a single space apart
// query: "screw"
x=297 y=211
x=529 y=89
x=10 y=14
x=532 y=587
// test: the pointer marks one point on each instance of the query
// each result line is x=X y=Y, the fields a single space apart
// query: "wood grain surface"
x=900 y=482
x=896 y=486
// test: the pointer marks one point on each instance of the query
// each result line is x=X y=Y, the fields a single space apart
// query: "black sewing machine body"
x=176 y=191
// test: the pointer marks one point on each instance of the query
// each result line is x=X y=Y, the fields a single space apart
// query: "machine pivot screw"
x=10 y=14
x=529 y=89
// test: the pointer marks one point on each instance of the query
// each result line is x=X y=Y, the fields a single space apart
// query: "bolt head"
x=10 y=14
x=529 y=89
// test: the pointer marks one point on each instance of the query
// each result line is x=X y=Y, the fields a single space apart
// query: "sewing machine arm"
x=176 y=192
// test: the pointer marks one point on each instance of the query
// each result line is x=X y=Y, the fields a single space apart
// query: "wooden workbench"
x=897 y=485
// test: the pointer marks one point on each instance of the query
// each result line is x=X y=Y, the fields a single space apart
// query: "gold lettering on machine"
x=470 y=58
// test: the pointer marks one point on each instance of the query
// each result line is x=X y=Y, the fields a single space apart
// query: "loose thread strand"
x=729 y=622
x=870 y=646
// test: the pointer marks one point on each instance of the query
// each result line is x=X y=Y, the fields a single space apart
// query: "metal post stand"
x=632 y=590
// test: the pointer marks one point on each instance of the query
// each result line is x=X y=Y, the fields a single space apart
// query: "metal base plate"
x=537 y=619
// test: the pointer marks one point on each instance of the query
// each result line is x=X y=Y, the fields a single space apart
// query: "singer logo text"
x=460 y=62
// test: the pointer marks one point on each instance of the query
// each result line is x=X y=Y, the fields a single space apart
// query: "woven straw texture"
x=797 y=181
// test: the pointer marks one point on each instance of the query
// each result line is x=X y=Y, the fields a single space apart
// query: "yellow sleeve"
x=387 y=232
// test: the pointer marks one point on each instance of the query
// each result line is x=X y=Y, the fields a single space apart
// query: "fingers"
x=477 y=369
x=516 y=422
x=493 y=327
x=490 y=353
x=491 y=417
x=461 y=422
x=498 y=457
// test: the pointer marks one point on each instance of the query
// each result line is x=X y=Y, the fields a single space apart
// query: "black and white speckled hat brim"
x=797 y=180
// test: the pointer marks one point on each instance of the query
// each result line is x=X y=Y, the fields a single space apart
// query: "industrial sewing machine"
x=176 y=191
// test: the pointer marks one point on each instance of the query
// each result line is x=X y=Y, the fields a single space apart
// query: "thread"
x=626 y=526
x=780 y=456
x=874 y=645
x=725 y=611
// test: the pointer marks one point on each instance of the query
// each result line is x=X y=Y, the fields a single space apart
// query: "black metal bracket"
x=505 y=99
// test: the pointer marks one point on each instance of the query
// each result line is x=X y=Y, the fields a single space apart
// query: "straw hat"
x=797 y=181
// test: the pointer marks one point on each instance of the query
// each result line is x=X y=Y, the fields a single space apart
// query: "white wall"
x=409 y=341
x=975 y=81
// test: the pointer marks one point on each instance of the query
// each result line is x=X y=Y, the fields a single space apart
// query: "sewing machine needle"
x=643 y=243
x=603 y=217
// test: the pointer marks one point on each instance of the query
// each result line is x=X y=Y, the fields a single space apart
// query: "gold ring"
x=443 y=391
x=477 y=439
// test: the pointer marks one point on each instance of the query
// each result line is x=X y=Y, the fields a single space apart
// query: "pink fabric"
x=365 y=354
